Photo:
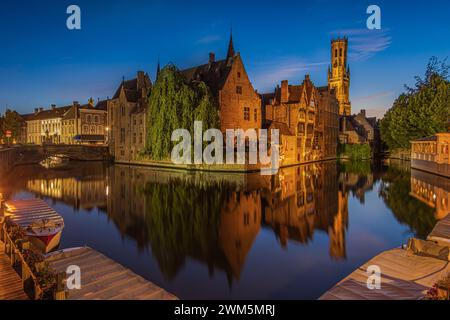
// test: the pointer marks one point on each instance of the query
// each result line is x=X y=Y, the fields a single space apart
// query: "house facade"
x=126 y=113
x=311 y=116
x=85 y=124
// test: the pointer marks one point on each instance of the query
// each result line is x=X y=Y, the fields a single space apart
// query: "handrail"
x=29 y=279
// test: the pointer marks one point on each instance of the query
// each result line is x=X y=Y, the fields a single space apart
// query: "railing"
x=30 y=281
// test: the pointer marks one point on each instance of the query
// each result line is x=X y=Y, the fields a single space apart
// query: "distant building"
x=432 y=154
x=45 y=126
x=359 y=128
x=85 y=124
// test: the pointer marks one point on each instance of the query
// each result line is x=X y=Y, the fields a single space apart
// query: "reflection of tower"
x=336 y=231
x=339 y=74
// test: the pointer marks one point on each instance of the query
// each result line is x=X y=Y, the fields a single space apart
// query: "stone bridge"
x=35 y=154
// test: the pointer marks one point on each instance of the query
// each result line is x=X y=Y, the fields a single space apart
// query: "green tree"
x=12 y=121
x=175 y=103
x=421 y=111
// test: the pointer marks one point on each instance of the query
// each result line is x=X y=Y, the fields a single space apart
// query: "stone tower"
x=339 y=74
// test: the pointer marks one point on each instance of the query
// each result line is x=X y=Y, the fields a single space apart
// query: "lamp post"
x=107 y=135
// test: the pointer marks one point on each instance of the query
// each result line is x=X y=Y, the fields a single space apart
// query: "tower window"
x=238 y=89
x=340 y=52
x=335 y=52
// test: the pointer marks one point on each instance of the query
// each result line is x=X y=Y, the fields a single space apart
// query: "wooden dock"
x=10 y=283
x=103 y=278
x=441 y=232
x=405 y=274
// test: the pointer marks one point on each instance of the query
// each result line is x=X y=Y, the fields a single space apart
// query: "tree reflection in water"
x=215 y=218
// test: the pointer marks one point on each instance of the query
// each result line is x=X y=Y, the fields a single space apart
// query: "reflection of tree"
x=395 y=191
x=183 y=221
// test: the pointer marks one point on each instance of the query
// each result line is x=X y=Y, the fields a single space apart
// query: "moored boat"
x=37 y=220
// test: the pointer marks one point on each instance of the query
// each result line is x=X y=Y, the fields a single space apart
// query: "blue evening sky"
x=42 y=62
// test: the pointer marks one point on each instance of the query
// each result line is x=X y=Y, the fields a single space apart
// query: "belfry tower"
x=339 y=74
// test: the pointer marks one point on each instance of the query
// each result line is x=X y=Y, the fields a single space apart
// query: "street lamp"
x=107 y=135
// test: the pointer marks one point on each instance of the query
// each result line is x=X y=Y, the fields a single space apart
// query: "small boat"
x=37 y=220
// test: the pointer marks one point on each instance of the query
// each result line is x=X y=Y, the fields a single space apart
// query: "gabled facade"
x=85 y=124
x=127 y=118
x=310 y=115
x=239 y=103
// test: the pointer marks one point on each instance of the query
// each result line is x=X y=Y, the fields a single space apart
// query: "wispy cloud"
x=365 y=43
x=373 y=97
x=208 y=39
x=268 y=74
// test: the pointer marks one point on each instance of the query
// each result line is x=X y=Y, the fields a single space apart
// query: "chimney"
x=307 y=77
x=36 y=110
x=363 y=112
x=41 y=109
x=284 y=91
x=75 y=103
x=212 y=57
x=53 y=106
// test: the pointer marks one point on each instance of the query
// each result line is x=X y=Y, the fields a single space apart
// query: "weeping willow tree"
x=175 y=103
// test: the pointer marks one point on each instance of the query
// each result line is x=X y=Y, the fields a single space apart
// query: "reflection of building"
x=240 y=221
x=306 y=198
x=432 y=190
x=432 y=154
x=84 y=186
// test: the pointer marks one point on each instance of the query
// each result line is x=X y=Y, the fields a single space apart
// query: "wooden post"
x=60 y=292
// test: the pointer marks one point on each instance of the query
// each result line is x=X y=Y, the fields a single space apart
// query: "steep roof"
x=102 y=105
x=127 y=85
x=214 y=74
x=50 y=113
x=132 y=87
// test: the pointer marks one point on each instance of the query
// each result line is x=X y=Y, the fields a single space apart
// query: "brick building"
x=311 y=116
x=127 y=118
x=239 y=103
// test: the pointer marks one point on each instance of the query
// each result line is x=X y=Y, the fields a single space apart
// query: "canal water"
x=234 y=236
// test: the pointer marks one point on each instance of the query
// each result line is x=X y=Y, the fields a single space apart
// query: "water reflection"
x=216 y=219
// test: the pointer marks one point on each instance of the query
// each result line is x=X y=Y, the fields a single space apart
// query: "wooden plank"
x=105 y=279
x=10 y=283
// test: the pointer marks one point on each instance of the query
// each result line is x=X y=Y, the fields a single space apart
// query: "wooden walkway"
x=10 y=283
x=103 y=278
x=441 y=232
